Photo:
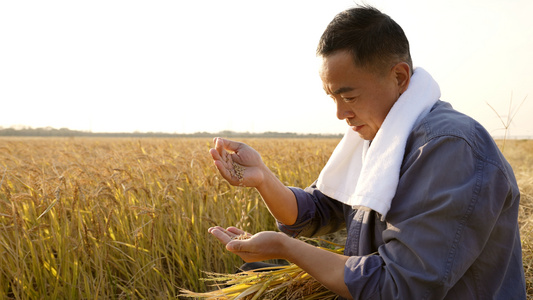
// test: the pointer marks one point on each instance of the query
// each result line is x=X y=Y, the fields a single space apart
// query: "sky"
x=242 y=65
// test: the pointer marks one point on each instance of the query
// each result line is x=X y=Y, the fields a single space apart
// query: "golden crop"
x=128 y=218
x=112 y=218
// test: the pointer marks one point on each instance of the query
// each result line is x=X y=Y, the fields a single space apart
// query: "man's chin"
x=363 y=133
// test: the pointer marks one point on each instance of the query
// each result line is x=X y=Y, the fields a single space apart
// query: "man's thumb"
x=233 y=246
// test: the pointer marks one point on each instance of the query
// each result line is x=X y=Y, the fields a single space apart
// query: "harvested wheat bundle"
x=280 y=282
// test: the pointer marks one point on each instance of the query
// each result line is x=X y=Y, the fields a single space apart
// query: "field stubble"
x=128 y=218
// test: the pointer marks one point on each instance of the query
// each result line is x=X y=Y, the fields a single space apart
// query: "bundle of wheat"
x=280 y=282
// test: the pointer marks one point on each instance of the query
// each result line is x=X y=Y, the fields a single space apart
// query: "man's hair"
x=375 y=41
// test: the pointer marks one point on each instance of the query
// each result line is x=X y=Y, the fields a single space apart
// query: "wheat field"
x=97 y=218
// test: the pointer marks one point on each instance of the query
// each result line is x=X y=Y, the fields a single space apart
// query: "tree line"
x=65 y=132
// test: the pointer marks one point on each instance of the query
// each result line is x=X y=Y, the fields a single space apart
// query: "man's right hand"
x=238 y=163
x=279 y=199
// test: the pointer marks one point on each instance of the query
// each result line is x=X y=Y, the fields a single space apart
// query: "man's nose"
x=343 y=111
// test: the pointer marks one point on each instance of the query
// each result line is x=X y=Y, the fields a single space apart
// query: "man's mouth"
x=356 y=127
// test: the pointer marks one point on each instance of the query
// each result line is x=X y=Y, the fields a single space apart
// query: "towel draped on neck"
x=359 y=175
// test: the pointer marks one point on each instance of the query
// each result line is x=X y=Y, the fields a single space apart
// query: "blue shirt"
x=452 y=229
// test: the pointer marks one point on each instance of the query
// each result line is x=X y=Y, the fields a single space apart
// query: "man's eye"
x=349 y=99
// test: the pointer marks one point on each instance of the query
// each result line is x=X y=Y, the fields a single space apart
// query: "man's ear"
x=403 y=76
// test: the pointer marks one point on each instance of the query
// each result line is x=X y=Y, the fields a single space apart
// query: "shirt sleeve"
x=447 y=203
x=317 y=214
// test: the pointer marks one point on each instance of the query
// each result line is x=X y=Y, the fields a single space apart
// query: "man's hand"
x=241 y=165
x=238 y=163
x=251 y=248
x=326 y=267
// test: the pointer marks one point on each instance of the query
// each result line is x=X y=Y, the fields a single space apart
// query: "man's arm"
x=279 y=199
x=318 y=214
x=325 y=266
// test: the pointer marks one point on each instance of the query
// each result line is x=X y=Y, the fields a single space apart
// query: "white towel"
x=359 y=175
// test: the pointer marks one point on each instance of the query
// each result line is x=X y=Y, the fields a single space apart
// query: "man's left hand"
x=264 y=245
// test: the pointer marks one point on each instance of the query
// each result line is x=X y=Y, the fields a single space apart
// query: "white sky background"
x=190 y=66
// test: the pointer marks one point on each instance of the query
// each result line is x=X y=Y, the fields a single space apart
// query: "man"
x=429 y=203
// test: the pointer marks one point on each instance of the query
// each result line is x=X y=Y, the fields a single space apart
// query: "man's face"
x=363 y=98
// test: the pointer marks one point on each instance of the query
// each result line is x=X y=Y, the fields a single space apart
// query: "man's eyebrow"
x=343 y=90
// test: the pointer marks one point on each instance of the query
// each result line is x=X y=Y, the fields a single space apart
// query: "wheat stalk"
x=280 y=282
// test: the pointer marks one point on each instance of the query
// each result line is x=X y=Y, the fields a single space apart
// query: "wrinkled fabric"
x=451 y=231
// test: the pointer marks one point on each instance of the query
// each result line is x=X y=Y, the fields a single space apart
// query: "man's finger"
x=213 y=228
x=219 y=144
x=234 y=246
x=220 y=234
x=224 y=171
x=235 y=230
x=227 y=144
x=214 y=154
